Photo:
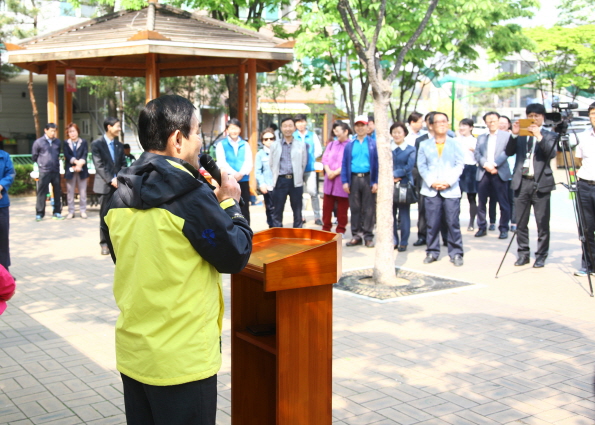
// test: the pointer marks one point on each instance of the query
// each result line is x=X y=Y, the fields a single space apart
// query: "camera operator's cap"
x=361 y=118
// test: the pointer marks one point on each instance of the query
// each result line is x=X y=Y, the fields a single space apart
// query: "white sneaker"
x=70 y=215
x=84 y=215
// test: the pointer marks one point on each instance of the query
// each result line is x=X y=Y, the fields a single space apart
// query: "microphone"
x=208 y=163
x=565 y=105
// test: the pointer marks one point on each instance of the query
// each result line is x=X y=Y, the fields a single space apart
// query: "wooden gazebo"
x=157 y=41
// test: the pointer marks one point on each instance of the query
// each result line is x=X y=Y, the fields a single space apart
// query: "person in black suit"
x=75 y=169
x=492 y=174
x=532 y=171
x=108 y=158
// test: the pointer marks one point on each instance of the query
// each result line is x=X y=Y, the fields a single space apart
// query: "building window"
x=529 y=96
x=66 y=9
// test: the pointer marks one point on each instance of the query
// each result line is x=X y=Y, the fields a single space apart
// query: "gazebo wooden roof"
x=184 y=44
x=157 y=41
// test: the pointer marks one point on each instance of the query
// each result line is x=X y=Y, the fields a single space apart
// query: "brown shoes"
x=354 y=242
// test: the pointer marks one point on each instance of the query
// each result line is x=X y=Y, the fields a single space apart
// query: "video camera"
x=561 y=120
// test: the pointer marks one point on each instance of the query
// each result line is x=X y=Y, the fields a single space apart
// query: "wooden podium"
x=284 y=378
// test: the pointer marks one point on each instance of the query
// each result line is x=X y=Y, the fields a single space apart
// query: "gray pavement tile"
x=489 y=408
x=86 y=413
x=61 y=416
x=365 y=419
x=458 y=400
x=381 y=403
x=576 y=420
x=408 y=410
x=367 y=396
x=398 y=417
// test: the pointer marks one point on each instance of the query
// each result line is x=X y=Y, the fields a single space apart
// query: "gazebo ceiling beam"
x=203 y=63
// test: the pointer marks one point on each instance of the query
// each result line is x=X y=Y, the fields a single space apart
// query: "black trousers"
x=269 y=207
x=587 y=198
x=492 y=184
x=284 y=188
x=245 y=187
x=4 y=225
x=103 y=200
x=422 y=227
x=362 y=203
x=449 y=209
x=193 y=403
x=540 y=201
x=43 y=189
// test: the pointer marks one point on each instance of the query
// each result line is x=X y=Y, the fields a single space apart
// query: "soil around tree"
x=406 y=282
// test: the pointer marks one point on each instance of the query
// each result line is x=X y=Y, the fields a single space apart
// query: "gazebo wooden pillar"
x=252 y=114
x=242 y=95
x=52 y=93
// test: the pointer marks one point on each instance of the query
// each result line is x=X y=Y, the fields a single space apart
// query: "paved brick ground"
x=515 y=350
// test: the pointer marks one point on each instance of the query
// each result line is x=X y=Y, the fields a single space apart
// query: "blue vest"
x=309 y=139
x=235 y=161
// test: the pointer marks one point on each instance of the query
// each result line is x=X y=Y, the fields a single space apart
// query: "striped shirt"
x=285 y=166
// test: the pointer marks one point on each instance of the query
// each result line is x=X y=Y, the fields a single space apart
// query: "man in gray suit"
x=288 y=159
x=440 y=162
x=532 y=183
x=108 y=159
x=493 y=174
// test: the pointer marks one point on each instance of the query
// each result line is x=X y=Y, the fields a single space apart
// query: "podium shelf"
x=267 y=343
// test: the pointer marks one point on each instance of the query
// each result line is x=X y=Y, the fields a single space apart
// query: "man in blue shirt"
x=359 y=175
x=6 y=179
x=46 y=152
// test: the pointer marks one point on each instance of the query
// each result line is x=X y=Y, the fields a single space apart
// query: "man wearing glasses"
x=440 y=162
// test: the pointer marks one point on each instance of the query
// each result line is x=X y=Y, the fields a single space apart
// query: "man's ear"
x=175 y=140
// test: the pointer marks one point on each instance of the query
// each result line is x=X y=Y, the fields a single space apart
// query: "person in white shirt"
x=312 y=142
x=415 y=123
x=493 y=174
x=585 y=154
x=468 y=181
x=234 y=155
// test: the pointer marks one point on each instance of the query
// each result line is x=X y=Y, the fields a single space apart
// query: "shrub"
x=23 y=183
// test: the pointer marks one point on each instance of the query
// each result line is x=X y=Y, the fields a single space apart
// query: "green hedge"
x=23 y=183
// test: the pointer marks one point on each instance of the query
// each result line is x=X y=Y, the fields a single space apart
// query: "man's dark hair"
x=433 y=116
x=487 y=114
x=161 y=117
x=299 y=117
x=414 y=117
x=510 y=122
x=399 y=124
x=274 y=126
x=287 y=119
x=126 y=146
x=429 y=118
x=467 y=121
x=535 y=108
x=233 y=121
x=50 y=125
x=110 y=121
x=591 y=106
x=343 y=125
x=371 y=118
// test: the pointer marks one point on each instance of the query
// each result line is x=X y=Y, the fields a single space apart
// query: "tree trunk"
x=384 y=262
x=233 y=99
x=34 y=106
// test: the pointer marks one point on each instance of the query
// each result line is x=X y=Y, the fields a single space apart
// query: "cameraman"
x=585 y=153
x=170 y=237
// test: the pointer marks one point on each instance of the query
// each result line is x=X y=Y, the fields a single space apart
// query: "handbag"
x=405 y=194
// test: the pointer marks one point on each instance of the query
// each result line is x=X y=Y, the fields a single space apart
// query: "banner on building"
x=71 y=80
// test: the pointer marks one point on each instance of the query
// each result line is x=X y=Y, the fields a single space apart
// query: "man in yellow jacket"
x=170 y=236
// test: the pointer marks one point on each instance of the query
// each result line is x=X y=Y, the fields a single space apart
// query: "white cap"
x=361 y=118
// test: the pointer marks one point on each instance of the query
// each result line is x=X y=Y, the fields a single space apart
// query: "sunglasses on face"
x=268 y=138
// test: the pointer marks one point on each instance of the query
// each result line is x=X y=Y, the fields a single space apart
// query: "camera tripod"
x=562 y=140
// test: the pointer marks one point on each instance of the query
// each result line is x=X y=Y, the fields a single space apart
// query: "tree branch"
x=351 y=26
x=412 y=39
x=381 y=14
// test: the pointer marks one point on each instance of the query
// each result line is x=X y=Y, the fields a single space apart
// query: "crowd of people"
x=433 y=166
